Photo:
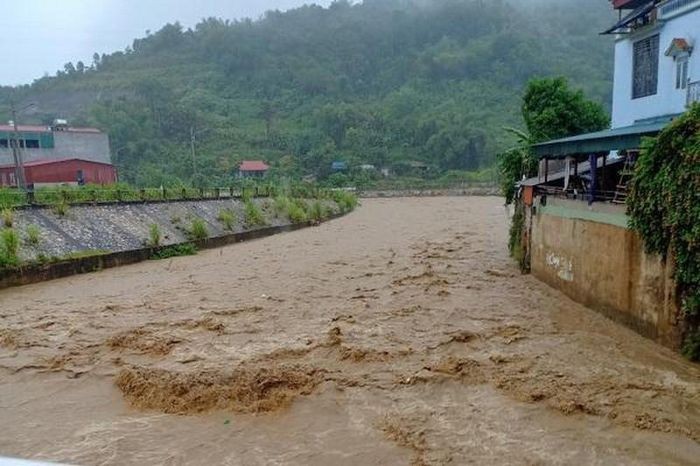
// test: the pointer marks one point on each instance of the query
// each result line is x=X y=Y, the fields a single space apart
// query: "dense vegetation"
x=550 y=110
x=382 y=82
x=664 y=209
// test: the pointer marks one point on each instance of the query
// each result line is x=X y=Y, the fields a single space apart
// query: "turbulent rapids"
x=401 y=333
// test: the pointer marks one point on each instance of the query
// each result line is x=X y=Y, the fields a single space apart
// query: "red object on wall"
x=73 y=171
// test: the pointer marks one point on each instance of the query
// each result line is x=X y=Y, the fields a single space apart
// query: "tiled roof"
x=253 y=166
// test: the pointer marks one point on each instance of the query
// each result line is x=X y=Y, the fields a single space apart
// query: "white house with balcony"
x=656 y=72
x=656 y=78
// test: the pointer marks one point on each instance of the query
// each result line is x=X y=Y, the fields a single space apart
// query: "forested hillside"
x=382 y=82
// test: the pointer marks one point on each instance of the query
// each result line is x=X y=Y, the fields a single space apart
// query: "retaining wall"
x=590 y=254
x=65 y=268
x=94 y=237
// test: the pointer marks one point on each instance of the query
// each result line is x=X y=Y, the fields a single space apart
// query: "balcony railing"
x=693 y=92
x=672 y=7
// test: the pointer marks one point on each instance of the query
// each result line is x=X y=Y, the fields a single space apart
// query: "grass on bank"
x=177 y=250
x=227 y=218
x=155 y=236
x=254 y=217
x=198 y=230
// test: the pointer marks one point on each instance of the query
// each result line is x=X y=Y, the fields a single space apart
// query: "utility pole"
x=192 y=141
x=16 y=152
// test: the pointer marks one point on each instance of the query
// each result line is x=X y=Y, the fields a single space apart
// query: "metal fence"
x=99 y=195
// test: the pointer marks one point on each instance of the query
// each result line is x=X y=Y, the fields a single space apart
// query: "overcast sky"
x=40 y=36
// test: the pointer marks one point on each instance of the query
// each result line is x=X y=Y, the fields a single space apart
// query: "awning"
x=635 y=15
x=628 y=137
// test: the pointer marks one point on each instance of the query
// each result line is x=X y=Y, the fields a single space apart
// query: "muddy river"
x=399 y=334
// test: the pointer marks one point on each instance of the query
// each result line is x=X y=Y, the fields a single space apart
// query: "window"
x=645 y=67
x=4 y=143
x=682 y=73
x=31 y=143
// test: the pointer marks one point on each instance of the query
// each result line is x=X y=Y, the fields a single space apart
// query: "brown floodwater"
x=399 y=334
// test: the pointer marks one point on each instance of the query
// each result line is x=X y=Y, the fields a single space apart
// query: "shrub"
x=61 y=208
x=9 y=247
x=154 y=235
x=281 y=206
x=33 y=235
x=8 y=217
x=198 y=230
x=253 y=215
x=346 y=201
x=296 y=211
x=186 y=249
x=227 y=218
x=515 y=238
x=663 y=208
x=317 y=212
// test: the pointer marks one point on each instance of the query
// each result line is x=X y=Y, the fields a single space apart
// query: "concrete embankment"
x=91 y=237
x=591 y=255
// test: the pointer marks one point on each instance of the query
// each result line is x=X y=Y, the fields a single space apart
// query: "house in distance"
x=253 y=169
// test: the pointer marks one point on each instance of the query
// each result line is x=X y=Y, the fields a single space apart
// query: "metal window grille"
x=645 y=67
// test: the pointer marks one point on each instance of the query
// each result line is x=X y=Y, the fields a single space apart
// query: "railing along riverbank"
x=123 y=194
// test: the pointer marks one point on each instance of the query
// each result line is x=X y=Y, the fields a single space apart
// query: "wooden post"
x=593 y=162
x=546 y=170
x=602 y=175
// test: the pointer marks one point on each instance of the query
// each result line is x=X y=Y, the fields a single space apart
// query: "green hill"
x=383 y=82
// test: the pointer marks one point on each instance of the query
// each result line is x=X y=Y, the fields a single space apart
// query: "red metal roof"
x=46 y=129
x=37 y=163
x=627 y=4
x=253 y=166
x=26 y=128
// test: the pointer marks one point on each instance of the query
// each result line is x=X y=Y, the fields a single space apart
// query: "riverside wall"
x=589 y=253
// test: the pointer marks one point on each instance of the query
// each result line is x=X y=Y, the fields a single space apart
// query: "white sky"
x=40 y=36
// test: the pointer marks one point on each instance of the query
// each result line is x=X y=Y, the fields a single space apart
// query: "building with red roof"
x=58 y=141
x=253 y=169
x=67 y=171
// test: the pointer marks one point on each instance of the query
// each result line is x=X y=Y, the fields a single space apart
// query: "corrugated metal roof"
x=26 y=128
x=642 y=10
x=628 y=137
x=40 y=162
x=253 y=166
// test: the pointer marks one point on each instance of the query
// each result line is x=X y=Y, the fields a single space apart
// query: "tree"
x=516 y=163
x=552 y=110
x=385 y=83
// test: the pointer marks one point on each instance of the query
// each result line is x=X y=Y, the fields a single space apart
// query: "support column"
x=593 y=162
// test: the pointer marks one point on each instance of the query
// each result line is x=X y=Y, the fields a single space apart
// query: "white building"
x=657 y=76
x=657 y=70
